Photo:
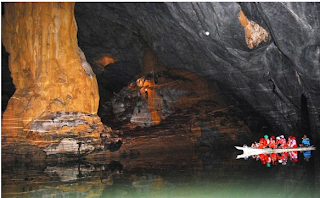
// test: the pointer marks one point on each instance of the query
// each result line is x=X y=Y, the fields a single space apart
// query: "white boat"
x=248 y=151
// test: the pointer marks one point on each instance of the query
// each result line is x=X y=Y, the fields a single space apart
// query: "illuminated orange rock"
x=48 y=68
x=255 y=34
x=105 y=60
x=151 y=64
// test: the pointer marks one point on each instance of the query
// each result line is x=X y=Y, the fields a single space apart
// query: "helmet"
x=273 y=137
x=278 y=138
x=282 y=136
x=266 y=136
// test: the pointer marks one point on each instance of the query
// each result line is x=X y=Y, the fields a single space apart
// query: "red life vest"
x=283 y=143
x=294 y=143
x=272 y=143
x=262 y=143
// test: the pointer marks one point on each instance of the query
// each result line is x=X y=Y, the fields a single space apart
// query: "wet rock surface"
x=72 y=133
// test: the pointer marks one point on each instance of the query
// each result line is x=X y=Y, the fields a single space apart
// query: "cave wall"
x=48 y=69
x=266 y=54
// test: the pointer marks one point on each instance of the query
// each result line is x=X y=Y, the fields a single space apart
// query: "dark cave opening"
x=7 y=86
x=305 y=121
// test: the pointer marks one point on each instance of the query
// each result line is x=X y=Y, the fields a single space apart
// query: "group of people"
x=280 y=142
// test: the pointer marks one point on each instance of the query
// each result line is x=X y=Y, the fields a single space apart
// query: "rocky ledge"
x=64 y=135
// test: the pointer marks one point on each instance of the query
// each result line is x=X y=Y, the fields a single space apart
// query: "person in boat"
x=272 y=143
x=292 y=142
x=277 y=141
x=261 y=143
x=264 y=142
x=281 y=142
x=305 y=141
x=255 y=145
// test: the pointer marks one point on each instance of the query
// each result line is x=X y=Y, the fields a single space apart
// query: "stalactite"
x=254 y=33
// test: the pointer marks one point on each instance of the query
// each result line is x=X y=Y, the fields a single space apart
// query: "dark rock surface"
x=7 y=86
x=279 y=79
x=112 y=79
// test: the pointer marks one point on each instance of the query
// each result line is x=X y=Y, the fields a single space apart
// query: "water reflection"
x=280 y=158
x=69 y=172
x=268 y=158
x=220 y=175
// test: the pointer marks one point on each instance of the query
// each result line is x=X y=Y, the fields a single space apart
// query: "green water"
x=214 y=174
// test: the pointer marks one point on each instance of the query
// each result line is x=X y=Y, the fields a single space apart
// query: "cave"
x=305 y=122
x=150 y=99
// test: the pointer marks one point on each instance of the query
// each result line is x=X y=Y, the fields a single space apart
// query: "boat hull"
x=248 y=151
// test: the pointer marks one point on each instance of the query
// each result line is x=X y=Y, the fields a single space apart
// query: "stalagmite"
x=52 y=78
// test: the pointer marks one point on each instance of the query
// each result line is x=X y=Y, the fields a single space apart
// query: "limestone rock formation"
x=56 y=89
x=144 y=102
x=255 y=34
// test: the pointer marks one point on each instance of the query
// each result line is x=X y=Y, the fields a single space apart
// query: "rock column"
x=49 y=70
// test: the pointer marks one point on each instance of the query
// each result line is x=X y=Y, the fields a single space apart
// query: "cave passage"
x=7 y=86
x=305 y=122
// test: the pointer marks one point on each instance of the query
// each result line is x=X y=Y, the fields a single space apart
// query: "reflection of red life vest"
x=283 y=156
x=294 y=156
x=273 y=157
x=269 y=159
x=263 y=158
